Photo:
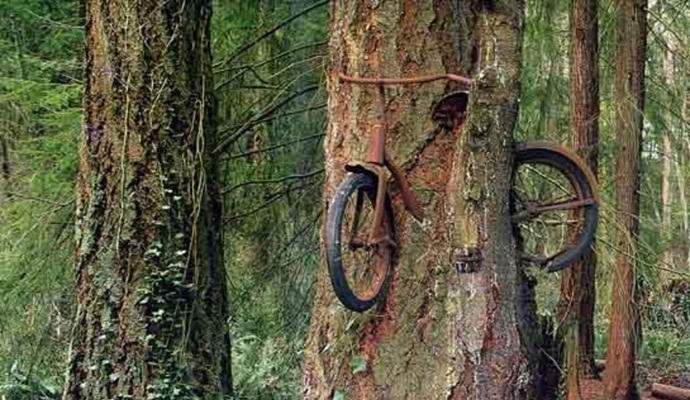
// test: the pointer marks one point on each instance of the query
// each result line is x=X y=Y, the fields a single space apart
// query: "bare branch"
x=277 y=57
x=230 y=140
x=275 y=180
x=277 y=146
x=271 y=199
x=269 y=32
x=283 y=115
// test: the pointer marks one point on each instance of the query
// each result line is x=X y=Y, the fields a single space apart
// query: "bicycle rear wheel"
x=554 y=205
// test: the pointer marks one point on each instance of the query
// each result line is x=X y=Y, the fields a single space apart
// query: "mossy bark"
x=152 y=302
x=625 y=327
x=578 y=290
x=440 y=333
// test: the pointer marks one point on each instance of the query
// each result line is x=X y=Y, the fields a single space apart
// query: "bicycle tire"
x=581 y=180
x=345 y=191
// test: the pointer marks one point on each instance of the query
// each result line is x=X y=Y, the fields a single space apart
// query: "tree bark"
x=152 y=301
x=5 y=163
x=666 y=233
x=667 y=163
x=681 y=182
x=576 y=305
x=625 y=328
x=439 y=334
x=681 y=171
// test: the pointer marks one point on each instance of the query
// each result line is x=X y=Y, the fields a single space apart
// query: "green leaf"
x=358 y=364
x=339 y=395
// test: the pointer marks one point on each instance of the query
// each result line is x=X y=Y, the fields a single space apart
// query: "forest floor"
x=592 y=389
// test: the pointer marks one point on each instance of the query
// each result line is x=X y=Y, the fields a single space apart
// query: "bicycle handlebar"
x=405 y=81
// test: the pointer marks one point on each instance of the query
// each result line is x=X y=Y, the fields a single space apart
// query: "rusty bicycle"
x=553 y=196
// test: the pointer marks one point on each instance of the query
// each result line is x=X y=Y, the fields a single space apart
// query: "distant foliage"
x=40 y=111
x=272 y=115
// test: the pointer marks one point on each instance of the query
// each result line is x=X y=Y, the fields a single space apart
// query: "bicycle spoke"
x=545 y=177
x=534 y=211
x=359 y=202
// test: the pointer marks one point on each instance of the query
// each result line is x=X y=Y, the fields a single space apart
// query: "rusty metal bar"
x=405 y=81
x=409 y=199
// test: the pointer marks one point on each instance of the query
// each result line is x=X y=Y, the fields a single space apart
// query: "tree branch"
x=230 y=140
x=283 y=115
x=271 y=199
x=269 y=32
x=277 y=146
x=277 y=57
x=275 y=180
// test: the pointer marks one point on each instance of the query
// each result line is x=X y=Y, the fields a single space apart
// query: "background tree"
x=625 y=329
x=576 y=305
x=429 y=340
x=152 y=301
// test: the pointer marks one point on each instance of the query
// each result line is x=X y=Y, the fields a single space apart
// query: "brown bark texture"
x=625 y=329
x=578 y=295
x=152 y=301
x=439 y=333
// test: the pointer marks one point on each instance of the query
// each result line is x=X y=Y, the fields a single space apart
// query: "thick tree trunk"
x=440 y=334
x=576 y=306
x=624 y=331
x=152 y=300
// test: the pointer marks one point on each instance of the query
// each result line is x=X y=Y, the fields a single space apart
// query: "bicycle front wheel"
x=359 y=263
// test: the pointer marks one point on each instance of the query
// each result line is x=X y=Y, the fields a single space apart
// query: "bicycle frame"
x=376 y=163
x=377 y=160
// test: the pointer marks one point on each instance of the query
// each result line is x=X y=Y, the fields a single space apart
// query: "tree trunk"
x=682 y=171
x=439 y=334
x=666 y=233
x=576 y=305
x=667 y=163
x=152 y=301
x=625 y=329
x=5 y=164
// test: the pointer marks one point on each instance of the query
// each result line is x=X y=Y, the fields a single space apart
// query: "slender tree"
x=5 y=163
x=439 y=334
x=624 y=330
x=681 y=174
x=576 y=306
x=152 y=301
x=667 y=154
